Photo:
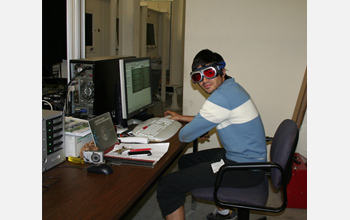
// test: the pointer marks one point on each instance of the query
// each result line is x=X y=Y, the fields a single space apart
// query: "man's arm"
x=177 y=117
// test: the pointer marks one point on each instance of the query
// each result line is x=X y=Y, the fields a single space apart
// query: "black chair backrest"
x=282 y=150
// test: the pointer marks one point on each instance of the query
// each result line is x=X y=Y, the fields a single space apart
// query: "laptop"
x=103 y=132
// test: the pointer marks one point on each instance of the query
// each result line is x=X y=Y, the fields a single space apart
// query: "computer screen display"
x=135 y=86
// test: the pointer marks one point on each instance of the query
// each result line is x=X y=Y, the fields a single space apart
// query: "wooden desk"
x=83 y=195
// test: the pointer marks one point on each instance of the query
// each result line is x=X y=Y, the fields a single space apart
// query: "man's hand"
x=174 y=115
x=204 y=136
x=177 y=117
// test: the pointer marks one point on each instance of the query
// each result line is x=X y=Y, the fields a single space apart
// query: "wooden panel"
x=301 y=105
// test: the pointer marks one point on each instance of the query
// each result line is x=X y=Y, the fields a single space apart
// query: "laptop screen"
x=103 y=132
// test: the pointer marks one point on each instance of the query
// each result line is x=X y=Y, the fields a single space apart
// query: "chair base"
x=243 y=214
x=193 y=203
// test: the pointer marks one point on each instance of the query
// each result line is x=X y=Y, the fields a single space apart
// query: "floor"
x=148 y=209
x=159 y=107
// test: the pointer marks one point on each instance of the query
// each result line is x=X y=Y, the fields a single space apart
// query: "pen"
x=143 y=149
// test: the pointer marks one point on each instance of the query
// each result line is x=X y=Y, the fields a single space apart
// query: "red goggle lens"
x=196 y=77
x=209 y=73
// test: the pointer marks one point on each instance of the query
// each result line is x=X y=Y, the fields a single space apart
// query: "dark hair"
x=207 y=56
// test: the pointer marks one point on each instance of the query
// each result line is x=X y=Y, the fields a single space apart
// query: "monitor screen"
x=135 y=86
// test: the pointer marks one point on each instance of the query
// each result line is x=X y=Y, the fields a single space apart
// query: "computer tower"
x=53 y=148
x=97 y=80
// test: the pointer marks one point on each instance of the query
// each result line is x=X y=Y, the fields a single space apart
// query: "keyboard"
x=157 y=129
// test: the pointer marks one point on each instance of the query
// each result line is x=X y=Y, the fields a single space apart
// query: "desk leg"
x=195 y=145
x=195 y=149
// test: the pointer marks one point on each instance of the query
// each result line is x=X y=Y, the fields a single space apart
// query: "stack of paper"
x=119 y=153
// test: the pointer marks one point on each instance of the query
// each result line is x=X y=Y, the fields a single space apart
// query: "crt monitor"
x=135 y=86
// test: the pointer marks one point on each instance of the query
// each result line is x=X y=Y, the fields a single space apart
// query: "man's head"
x=207 y=60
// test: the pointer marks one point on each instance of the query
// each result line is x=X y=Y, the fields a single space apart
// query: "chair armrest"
x=245 y=166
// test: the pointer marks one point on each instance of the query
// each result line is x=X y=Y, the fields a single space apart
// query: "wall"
x=177 y=42
x=264 y=46
x=100 y=11
x=153 y=18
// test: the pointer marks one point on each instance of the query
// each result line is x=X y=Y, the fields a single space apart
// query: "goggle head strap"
x=221 y=65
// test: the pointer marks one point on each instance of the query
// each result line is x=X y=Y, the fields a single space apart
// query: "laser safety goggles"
x=210 y=71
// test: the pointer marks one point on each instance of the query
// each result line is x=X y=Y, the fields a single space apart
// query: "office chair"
x=279 y=170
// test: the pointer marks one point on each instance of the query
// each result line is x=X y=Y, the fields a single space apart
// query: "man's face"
x=210 y=85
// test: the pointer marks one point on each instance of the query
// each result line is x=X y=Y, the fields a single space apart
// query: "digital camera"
x=93 y=156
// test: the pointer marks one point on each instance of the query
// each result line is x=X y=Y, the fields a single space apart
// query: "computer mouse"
x=100 y=169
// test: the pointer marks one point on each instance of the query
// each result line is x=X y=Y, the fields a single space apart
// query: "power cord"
x=81 y=71
x=81 y=168
x=47 y=186
x=48 y=104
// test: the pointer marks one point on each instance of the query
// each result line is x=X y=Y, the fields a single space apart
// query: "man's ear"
x=223 y=73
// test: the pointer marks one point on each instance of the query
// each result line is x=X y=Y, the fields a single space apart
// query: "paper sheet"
x=216 y=166
x=158 y=150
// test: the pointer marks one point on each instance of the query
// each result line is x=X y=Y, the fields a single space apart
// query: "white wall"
x=263 y=44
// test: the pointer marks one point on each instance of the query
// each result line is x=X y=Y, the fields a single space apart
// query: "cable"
x=71 y=167
x=48 y=186
x=66 y=103
x=48 y=104
x=59 y=179
x=69 y=84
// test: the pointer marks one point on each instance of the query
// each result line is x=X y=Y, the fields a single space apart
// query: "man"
x=230 y=109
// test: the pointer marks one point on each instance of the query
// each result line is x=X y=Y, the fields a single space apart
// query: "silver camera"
x=93 y=156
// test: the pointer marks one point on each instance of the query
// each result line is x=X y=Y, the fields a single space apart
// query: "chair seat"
x=255 y=196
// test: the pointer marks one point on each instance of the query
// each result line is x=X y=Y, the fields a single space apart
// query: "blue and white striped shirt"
x=230 y=109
